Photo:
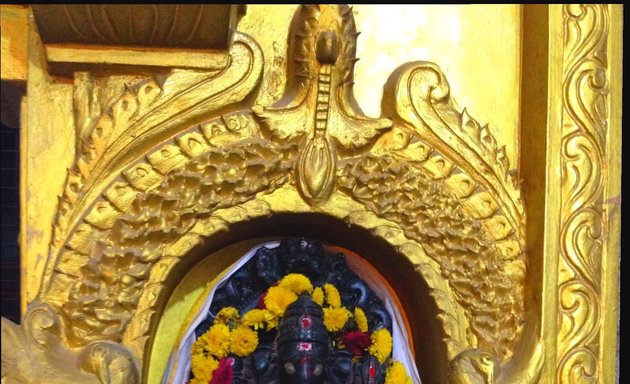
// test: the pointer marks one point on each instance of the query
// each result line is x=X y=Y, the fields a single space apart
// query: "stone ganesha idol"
x=326 y=333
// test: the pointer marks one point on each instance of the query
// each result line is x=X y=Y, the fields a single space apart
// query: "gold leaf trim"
x=583 y=160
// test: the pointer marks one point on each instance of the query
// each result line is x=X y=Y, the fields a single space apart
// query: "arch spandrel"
x=170 y=164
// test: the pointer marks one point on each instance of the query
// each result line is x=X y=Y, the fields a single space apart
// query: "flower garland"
x=233 y=334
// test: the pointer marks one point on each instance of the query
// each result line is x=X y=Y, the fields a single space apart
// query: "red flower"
x=261 y=301
x=224 y=373
x=356 y=342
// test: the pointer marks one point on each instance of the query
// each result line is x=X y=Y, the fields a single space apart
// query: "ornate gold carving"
x=583 y=159
x=125 y=220
x=154 y=109
x=318 y=105
x=113 y=279
x=36 y=352
x=476 y=366
x=473 y=366
x=450 y=188
x=165 y=162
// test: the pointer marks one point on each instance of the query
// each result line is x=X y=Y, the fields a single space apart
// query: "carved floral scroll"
x=583 y=218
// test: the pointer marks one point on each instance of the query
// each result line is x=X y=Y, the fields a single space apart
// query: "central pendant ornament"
x=318 y=108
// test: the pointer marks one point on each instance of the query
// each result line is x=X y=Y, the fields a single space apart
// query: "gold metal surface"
x=113 y=55
x=154 y=25
x=14 y=35
x=138 y=175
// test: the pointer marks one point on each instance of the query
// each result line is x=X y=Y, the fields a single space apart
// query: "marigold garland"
x=244 y=341
x=203 y=367
x=381 y=346
x=361 y=320
x=254 y=318
x=278 y=299
x=318 y=296
x=396 y=374
x=271 y=320
x=227 y=315
x=332 y=296
x=217 y=340
x=335 y=318
x=236 y=335
x=296 y=283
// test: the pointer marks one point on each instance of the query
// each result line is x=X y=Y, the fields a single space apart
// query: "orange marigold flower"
x=198 y=346
x=381 y=346
x=296 y=283
x=278 y=299
x=271 y=320
x=335 y=318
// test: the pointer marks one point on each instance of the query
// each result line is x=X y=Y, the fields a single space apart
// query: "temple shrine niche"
x=213 y=205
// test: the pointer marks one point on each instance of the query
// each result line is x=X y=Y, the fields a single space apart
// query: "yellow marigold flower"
x=198 y=346
x=296 y=283
x=396 y=374
x=218 y=340
x=359 y=317
x=278 y=299
x=271 y=320
x=318 y=296
x=381 y=346
x=332 y=296
x=335 y=318
x=244 y=341
x=203 y=368
x=227 y=315
x=254 y=318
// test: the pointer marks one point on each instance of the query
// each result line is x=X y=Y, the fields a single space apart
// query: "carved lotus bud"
x=316 y=170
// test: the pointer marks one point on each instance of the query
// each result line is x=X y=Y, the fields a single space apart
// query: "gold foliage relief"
x=125 y=244
x=584 y=127
x=109 y=118
x=450 y=187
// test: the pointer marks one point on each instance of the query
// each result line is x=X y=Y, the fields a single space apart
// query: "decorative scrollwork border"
x=585 y=166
